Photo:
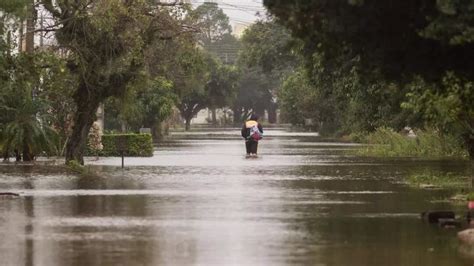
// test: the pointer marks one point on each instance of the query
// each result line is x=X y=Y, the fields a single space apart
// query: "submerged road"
x=199 y=201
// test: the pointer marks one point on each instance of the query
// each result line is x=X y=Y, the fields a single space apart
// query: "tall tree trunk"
x=165 y=127
x=469 y=143
x=156 y=131
x=83 y=120
x=30 y=27
x=17 y=155
x=21 y=36
x=28 y=156
x=272 y=114
x=214 y=116
x=237 y=116
x=187 y=123
x=29 y=48
x=6 y=154
x=224 y=111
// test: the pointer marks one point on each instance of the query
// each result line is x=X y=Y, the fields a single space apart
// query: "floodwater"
x=199 y=201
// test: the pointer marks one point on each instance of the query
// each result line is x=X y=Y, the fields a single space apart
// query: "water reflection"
x=198 y=201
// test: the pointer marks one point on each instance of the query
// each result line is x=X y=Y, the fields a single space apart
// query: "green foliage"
x=222 y=84
x=269 y=46
x=447 y=106
x=385 y=142
x=191 y=86
x=13 y=7
x=385 y=34
x=439 y=180
x=360 y=55
x=25 y=118
x=76 y=167
x=359 y=137
x=452 y=24
x=212 y=21
x=200 y=80
x=297 y=99
x=81 y=170
x=265 y=59
x=144 y=105
x=106 y=43
x=226 y=49
x=138 y=145
x=255 y=94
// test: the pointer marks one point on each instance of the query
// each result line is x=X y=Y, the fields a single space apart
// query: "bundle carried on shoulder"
x=254 y=132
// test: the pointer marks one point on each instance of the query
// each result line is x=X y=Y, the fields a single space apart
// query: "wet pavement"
x=199 y=201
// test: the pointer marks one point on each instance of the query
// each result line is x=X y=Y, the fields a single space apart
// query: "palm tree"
x=26 y=133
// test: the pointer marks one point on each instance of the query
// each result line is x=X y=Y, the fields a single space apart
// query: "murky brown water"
x=198 y=201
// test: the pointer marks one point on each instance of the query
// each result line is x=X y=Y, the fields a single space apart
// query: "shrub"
x=386 y=142
x=140 y=145
x=358 y=137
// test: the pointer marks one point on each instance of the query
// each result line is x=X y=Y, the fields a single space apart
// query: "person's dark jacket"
x=246 y=128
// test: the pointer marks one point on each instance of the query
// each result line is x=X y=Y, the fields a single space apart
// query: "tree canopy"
x=106 y=43
x=212 y=21
x=387 y=47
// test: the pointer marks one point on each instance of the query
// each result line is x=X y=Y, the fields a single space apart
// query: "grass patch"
x=458 y=184
x=385 y=142
x=438 y=180
x=81 y=170
x=76 y=167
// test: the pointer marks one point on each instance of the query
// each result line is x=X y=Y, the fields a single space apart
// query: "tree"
x=11 y=12
x=212 y=21
x=446 y=106
x=190 y=85
x=255 y=94
x=145 y=105
x=106 y=41
x=297 y=99
x=268 y=45
x=269 y=52
x=25 y=121
x=9 y=9
x=221 y=87
x=34 y=85
x=396 y=41
x=215 y=36
x=226 y=49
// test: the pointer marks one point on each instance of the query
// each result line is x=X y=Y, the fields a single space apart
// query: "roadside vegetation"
x=372 y=69
x=385 y=142
x=374 y=65
x=431 y=179
x=149 y=64
x=459 y=185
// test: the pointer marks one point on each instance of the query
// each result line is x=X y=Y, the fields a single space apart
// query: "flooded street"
x=199 y=201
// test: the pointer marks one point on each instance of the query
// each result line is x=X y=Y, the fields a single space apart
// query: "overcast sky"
x=239 y=11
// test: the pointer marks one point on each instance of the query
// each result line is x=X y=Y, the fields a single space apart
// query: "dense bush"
x=140 y=145
x=429 y=143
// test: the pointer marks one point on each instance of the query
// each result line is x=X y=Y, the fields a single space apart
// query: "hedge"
x=137 y=145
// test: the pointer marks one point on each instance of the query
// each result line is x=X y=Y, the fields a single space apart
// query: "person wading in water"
x=252 y=132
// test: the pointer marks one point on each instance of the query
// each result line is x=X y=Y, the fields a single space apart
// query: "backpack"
x=255 y=133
